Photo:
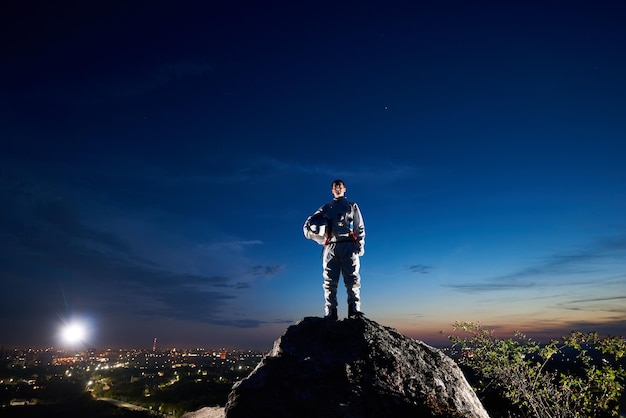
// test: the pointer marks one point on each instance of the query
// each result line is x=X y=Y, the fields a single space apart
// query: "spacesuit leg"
x=350 y=266
x=331 y=271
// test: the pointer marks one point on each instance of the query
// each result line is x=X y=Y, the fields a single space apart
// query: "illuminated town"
x=165 y=382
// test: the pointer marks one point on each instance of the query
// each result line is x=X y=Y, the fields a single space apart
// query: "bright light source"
x=74 y=332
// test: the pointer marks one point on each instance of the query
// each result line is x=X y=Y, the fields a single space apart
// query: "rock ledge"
x=353 y=368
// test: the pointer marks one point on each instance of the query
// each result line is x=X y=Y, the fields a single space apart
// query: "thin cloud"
x=218 y=171
x=488 y=287
x=586 y=260
x=266 y=270
x=61 y=264
x=231 y=245
x=610 y=327
x=609 y=304
x=606 y=299
x=61 y=218
x=34 y=218
x=420 y=269
x=238 y=285
x=591 y=260
x=374 y=173
x=149 y=181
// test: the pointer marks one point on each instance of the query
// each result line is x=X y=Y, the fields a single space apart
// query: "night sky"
x=158 y=160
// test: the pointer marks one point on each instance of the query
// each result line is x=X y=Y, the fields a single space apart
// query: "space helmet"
x=318 y=225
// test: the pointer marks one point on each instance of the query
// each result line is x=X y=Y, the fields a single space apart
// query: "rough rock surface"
x=206 y=412
x=352 y=368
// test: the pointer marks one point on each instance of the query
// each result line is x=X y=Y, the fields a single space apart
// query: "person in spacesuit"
x=339 y=227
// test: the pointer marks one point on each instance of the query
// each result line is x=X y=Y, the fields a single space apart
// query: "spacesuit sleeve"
x=358 y=228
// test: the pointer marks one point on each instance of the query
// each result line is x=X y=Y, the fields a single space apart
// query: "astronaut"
x=338 y=226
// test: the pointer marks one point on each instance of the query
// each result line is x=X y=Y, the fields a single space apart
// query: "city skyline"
x=159 y=160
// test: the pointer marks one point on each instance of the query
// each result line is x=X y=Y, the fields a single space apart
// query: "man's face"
x=338 y=189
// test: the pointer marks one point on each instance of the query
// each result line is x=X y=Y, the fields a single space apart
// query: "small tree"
x=520 y=370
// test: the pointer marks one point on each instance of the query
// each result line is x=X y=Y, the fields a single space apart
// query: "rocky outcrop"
x=206 y=412
x=352 y=368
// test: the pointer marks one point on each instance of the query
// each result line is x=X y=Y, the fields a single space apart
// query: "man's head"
x=338 y=188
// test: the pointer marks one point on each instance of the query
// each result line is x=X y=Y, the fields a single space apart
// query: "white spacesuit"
x=338 y=225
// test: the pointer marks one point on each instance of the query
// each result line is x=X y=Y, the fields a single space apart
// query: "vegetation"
x=581 y=375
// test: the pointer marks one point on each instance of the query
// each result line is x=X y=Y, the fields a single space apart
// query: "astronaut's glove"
x=360 y=248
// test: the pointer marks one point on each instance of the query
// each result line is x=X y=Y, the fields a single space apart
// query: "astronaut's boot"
x=331 y=314
x=353 y=313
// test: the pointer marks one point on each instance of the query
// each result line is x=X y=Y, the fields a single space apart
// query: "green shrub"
x=528 y=375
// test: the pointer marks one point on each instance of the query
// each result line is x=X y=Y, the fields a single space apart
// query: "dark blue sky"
x=159 y=158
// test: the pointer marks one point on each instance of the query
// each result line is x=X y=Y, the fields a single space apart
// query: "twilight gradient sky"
x=158 y=160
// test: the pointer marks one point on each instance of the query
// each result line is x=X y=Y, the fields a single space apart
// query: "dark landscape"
x=358 y=366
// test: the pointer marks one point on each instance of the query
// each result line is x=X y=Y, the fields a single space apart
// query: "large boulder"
x=352 y=368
